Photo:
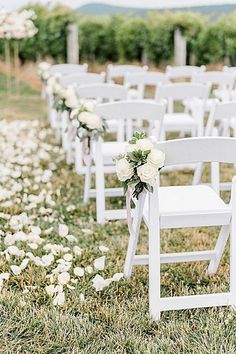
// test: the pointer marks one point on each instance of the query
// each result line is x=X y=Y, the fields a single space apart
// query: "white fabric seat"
x=187 y=201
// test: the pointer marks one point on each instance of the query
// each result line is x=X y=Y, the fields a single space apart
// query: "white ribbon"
x=129 y=211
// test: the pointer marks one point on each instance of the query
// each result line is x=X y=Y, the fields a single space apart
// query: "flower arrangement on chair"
x=43 y=71
x=139 y=167
x=89 y=125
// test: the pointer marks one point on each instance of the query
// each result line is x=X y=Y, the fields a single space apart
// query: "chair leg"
x=219 y=248
x=100 y=191
x=133 y=239
x=87 y=185
x=154 y=258
x=78 y=156
x=233 y=246
x=197 y=174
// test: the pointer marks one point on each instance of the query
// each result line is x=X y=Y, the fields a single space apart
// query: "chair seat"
x=177 y=121
x=190 y=206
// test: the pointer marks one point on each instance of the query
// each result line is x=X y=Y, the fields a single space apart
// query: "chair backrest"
x=223 y=111
x=183 y=91
x=229 y=69
x=223 y=79
x=103 y=92
x=185 y=71
x=82 y=79
x=67 y=69
x=115 y=71
x=142 y=79
x=201 y=149
x=127 y=112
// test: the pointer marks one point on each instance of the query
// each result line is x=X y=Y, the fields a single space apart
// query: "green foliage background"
x=120 y=38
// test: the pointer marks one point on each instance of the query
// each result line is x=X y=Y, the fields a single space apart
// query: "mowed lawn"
x=116 y=319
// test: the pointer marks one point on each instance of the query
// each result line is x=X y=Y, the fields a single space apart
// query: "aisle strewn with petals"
x=34 y=239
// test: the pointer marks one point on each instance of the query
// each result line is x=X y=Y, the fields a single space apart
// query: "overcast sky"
x=14 y=4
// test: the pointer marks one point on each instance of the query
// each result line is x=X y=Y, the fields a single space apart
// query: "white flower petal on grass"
x=15 y=269
x=47 y=260
x=81 y=297
x=89 y=269
x=59 y=300
x=63 y=278
x=63 y=230
x=24 y=263
x=50 y=289
x=4 y=276
x=87 y=231
x=79 y=272
x=99 y=263
x=99 y=283
x=77 y=251
x=103 y=248
x=48 y=231
x=68 y=257
x=33 y=246
x=117 y=276
x=71 y=238
x=15 y=251
x=70 y=287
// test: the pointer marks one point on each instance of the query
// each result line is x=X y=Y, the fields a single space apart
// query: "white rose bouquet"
x=89 y=125
x=139 y=167
x=43 y=71
x=65 y=99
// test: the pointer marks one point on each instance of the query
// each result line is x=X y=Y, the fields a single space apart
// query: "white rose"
x=51 y=81
x=92 y=120
x=147 y=173
x=45 y=75
x=144 y=144
x=44 y=66
x=156 y=158
x=131 y=147
x=63 y=278
x=124 y=170
x=58 y=89
x=69 y=92
x=72 y=102
x=89 y=106
x=83 y=117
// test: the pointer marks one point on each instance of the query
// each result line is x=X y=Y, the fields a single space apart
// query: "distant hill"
x=102 y=9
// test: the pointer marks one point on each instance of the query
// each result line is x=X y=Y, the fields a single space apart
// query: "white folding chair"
x=119 y=71
x=104 y=152
x=223 y=80
x=67 y=69
x=223 y=113
x=183 y=72
x=142 y=79
x=63 y=119
x=181 y=207
x=191 y=122
x=82 y=79
x=100 y=93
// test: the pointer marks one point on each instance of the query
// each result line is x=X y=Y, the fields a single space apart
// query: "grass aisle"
x=38 y=192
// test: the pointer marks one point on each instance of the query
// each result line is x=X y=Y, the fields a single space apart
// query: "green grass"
x=115 y=320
